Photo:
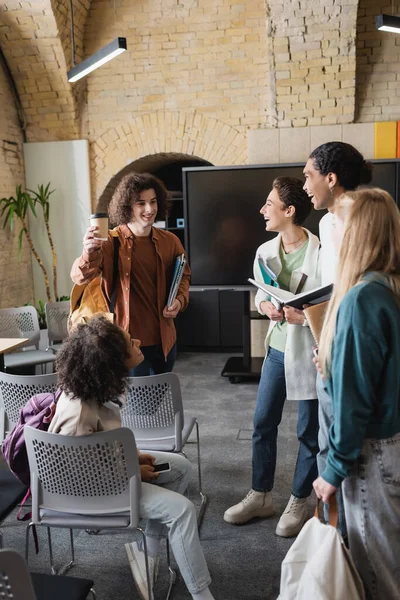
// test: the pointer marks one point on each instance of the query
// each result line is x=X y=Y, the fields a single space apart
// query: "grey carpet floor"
x=244 y=561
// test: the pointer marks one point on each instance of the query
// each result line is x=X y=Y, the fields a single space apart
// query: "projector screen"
x=224 y=226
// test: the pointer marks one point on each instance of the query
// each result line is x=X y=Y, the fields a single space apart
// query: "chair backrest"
x=57 y=320
x=16 y=390
x=94 y=474
x=154 y=402
x=20 y=322
x=15 y=581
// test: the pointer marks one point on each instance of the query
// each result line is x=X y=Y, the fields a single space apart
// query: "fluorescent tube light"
x=388 y=23
x=97 y=59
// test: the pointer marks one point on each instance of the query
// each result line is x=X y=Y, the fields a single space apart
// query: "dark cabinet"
x=213 y=321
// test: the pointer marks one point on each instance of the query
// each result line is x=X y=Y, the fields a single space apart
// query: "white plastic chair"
x=57 y=323
x=154 y=412
x=85 y=482
x=23 y=322
x=15 y=391
x=17 y=584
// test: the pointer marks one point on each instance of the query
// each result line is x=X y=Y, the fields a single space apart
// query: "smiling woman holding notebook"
x=291 y=261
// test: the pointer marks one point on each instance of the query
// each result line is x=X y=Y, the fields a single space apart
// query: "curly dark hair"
x=291 y=193
x=91 y=363
x=128 y=191
x=345 y=161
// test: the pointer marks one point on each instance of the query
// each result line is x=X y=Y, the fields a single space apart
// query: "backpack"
x=38 y=413
x=88 y=299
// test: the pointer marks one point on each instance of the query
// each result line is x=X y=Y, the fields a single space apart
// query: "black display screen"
x=224 y=226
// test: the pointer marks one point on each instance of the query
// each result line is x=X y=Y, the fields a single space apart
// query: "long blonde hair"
x=371 y=243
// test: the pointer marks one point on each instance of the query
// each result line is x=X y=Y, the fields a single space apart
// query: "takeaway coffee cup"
x=100 y=220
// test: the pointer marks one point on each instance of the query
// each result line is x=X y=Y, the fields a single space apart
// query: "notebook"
x=315 y=316
x=180 y=264
x=285 y=298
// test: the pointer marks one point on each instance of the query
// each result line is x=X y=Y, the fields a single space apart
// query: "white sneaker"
x=138 y=567
x=293 y=518
x=255 y=504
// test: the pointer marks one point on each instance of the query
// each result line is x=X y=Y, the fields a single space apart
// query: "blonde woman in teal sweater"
x=359 y=357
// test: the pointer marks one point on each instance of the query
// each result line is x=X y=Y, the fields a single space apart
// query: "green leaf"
x=29 y=203
x=21 y=233
x=11 y=216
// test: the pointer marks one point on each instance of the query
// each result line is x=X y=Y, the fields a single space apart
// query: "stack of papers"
x=180 y=264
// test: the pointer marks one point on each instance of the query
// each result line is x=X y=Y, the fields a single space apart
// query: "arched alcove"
x=167 y=166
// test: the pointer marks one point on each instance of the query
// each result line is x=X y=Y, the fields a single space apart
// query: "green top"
x=290 y=262
x=365 y=388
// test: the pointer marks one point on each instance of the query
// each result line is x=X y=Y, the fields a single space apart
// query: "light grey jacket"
x=300 y=370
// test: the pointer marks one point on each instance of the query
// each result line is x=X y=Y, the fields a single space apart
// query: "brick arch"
x=34 y=42
x=182 y=132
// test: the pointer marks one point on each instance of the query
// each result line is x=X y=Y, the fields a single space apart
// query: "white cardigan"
x=299 y=367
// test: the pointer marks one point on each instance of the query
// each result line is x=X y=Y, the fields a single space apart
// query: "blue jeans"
x=269 y=407
x=372 y=501
x=164 y=505
x=154 y=361
x=325 y=421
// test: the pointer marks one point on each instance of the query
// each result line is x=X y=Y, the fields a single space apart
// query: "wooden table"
x=8 y=344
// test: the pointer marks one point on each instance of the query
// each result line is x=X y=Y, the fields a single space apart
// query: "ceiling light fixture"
x=97 y=59
x=388 y=23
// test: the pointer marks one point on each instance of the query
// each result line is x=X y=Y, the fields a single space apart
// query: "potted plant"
x=16 y=208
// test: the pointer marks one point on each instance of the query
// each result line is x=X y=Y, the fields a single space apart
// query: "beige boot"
x=293 y=517
x=255 y=504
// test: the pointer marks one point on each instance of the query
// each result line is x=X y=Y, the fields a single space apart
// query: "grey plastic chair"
x=17 y=584
x=23 y=322
x=85 y=482
x=16 y=390
x=57 y=314
x=154 y=412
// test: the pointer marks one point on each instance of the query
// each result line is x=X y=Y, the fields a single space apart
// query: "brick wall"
x=210 y=56
x=314 y=61
x=15 y=277
x=197 y=75
x=378 y=66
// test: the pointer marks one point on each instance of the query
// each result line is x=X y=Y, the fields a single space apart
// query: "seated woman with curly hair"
x=91 y=367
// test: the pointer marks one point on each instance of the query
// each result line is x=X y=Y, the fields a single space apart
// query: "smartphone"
x=162 y=467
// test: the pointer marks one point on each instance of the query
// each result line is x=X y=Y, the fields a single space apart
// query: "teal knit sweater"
x=365 y=382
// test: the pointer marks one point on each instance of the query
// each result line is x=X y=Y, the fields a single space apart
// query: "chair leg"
x=146 y=559
x=2 y=424
x=203 y=497
x=28 y=528
x=1 y=540
x=172 y=573
x=53 y=570
x=93 y=594
x=71 y=563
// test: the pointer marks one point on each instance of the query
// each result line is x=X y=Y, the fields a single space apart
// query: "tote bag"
x=318 y=565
